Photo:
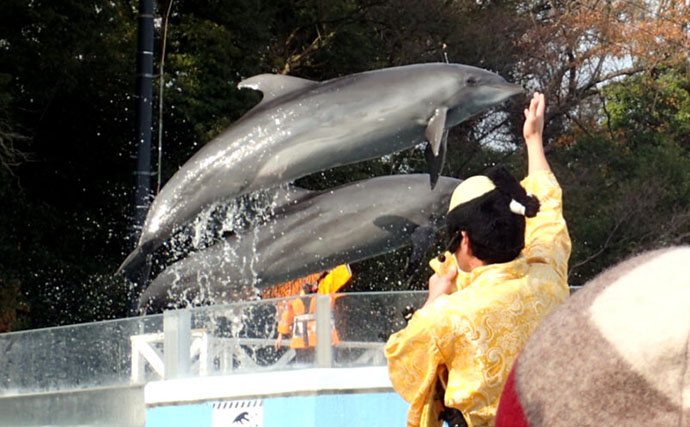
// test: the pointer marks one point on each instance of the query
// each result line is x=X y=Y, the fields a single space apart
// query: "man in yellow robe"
x=488 y=295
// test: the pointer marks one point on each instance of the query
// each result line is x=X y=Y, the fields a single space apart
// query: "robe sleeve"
x=413 y=361
x=546 y=235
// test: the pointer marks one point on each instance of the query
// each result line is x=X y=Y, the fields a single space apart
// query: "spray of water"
x=240 y=218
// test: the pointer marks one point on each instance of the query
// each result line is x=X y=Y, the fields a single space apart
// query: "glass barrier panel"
x=72 y=357
x=364 y=322
x=342 y=330
x=243 y=337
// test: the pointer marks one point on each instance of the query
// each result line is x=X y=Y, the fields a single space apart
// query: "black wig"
x=497 y=233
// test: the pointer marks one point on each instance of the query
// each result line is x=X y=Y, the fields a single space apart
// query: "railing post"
x=324 y=349
x=177 y=343
x=138 y=362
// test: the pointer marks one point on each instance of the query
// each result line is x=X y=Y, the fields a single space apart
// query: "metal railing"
x=180 y=351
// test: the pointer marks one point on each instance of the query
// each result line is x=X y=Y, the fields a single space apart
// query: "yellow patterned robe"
x=468 y=340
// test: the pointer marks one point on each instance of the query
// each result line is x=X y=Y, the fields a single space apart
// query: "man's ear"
x=465 y=244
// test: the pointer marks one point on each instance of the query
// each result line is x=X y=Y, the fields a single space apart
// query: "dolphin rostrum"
x=303 y=126
x=315 y=232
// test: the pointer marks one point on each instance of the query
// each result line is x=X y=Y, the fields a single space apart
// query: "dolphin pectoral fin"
x=422 y=239
x=436 y=129
x=275 y=85
x=435 y=161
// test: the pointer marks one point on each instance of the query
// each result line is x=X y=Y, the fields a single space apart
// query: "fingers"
x=451 y=273
x=448 y=276
x=541 y=106
x=442 y=283
x=531 y=110
x=534 y=103
x=536 y=107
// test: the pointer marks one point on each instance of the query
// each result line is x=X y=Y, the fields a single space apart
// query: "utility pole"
x=143 y=111
x=143 y=114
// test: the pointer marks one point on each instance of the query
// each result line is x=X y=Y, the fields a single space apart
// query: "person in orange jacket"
x=298 y=316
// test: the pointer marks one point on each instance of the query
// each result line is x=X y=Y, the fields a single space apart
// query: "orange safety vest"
x=295 y=319
x=301 y=323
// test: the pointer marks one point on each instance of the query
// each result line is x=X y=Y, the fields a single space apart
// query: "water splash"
x=241 y=218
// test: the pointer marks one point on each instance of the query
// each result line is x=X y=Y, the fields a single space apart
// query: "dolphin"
x=303 y=126
x=315 y=231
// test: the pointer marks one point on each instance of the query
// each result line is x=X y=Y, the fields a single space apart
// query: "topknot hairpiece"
x=517 y=207
x=521 y=203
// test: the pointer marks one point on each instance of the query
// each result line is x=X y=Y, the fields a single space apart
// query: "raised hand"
x=534 y=119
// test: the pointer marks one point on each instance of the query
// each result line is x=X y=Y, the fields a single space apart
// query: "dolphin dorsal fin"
x=275 y=85
x=435 y=129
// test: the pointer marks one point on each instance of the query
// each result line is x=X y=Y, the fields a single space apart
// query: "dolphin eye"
x=471 y=81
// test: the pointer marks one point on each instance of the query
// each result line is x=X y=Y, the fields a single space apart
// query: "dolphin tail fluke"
x=436 y=160
x=422 y=239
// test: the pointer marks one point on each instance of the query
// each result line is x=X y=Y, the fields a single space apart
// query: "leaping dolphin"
x=303 y=126
x=315 y=232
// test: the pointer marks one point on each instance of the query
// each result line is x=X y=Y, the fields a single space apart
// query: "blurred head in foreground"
x=617 y=353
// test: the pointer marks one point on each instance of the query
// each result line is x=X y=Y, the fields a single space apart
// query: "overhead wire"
x=161 y=86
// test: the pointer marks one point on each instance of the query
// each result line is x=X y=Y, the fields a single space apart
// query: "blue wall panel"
x=332 y=410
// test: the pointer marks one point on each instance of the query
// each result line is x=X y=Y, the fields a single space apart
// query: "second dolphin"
x=316 y=232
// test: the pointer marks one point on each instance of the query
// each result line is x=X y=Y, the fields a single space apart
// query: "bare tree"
x=10 y=155
x=573 y=48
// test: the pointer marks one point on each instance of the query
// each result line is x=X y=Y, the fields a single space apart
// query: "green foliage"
x=67 y=74
x=651 y=108
x=66 y=126
x=627 y=189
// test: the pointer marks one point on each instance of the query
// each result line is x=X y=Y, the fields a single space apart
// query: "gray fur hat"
x=617 y=353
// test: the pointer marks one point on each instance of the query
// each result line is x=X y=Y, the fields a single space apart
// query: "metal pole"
x=143 y=96
x=143 y=118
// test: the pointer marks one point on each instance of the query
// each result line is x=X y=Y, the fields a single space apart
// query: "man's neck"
x=469 y=262
x=475 y=262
